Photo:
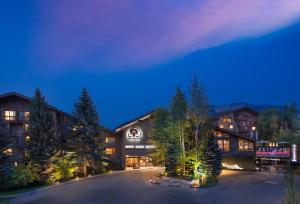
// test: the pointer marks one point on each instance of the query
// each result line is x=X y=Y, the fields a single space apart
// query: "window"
x=253 y=128
x=110 y=140
x=110 y=151
x=231 y=126
x=26 y=126
x=224 y=145
x=227 y=120
x=10 y=115
x=8 y=151
x=251 y=147
x=23 y=116
x=221 y=126
x=245 y=146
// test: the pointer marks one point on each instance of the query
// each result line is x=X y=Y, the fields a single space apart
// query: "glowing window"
x=110 y=151
x=253 y=128
x=221 y=126
x=10 y=115
x=231 y=127
x=227 y=120
x=110 y=140
x=26 y=126
x=8 y=151
x=224 y=145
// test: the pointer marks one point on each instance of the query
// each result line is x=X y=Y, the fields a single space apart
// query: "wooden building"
x=14 y=118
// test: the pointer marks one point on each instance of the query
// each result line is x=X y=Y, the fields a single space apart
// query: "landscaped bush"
x=23 y=175
x=61 y=169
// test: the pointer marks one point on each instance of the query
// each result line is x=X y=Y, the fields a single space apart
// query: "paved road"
x=133 y=187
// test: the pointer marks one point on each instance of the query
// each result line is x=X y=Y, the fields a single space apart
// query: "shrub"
x=60 y=170
x=23 y=175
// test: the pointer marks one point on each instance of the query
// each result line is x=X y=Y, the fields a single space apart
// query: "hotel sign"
x=139 y=146
x=294 y=153
x=134 y=135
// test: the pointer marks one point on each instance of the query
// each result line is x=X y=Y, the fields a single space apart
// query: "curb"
x=69 y=182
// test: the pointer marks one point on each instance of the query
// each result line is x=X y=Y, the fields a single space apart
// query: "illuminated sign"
x=294 y=153
x=134 y=135
x=139 y=146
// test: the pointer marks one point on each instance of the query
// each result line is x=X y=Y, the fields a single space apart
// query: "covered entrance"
x=138 y=161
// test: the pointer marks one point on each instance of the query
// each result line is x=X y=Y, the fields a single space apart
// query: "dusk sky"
x=131 y=54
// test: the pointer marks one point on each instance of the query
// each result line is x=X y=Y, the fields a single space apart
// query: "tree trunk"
x=84 y=167
x=183 y=149
x=196 y=140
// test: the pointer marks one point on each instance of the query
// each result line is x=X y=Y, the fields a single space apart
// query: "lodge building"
x=14 y=118
x=128 y=144
x=235 y=130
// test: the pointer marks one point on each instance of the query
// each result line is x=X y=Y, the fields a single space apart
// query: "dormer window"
x=227 y=120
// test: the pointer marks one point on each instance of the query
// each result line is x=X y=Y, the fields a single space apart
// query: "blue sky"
x=249 y=60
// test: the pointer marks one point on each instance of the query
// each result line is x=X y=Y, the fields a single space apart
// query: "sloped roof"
x=135 y=120
x=15 y=94
x=229 y=110
x=234 y=134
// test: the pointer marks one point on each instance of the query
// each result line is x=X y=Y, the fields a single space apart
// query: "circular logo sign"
x=134 y=134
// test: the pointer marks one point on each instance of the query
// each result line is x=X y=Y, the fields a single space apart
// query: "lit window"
x=8 y=151
x=224 y=145
x=221 y=126
x=251 y=147
x=227 y=120
x=253 y=128
x=110 y=140
x=241 y=145
x=110 y=151
x=245 y=145
x=26 y=126
x=231 y=126
x=27 y=138
x=10 y=115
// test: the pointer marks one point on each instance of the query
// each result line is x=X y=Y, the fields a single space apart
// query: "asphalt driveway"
x=134 y=187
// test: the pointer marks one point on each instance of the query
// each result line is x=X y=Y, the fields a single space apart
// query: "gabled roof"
x=134 y=121
x=233 y=110
x=216 y=128
x=18 y=95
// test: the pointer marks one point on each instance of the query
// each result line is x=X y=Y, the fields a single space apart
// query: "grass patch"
x=22 y=190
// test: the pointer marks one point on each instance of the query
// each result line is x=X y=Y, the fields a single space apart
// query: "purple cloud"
x=119 y=34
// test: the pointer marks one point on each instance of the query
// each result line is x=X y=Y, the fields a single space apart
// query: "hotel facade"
x=128 y=144
x=235 y=130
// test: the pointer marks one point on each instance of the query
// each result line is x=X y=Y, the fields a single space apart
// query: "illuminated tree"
x=159 y=136
x=87 y=139
x=42 y=144
x=198 y=111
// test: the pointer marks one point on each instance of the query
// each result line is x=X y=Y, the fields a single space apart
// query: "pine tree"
x=87 y=139
x=42 y=144
x=5 y=161
x=171 y=163
x=159 y=136
x=210 y=158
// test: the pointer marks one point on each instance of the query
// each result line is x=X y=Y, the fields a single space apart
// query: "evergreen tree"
x=210 y=158
x=171 y=163
x=87 y=138
x=159 y=136
x=42 y=144
x=5 y=161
